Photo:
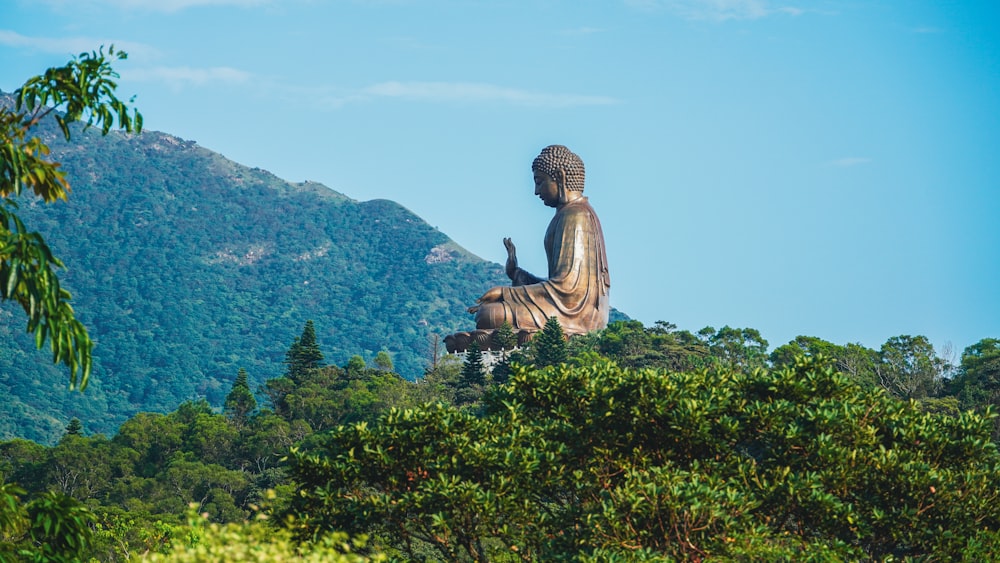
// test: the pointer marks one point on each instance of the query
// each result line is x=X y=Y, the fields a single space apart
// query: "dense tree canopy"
x=585 y=460
x=599 y=462
x=977 y=383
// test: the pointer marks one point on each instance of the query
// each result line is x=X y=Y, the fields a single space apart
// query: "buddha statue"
x=575 y=290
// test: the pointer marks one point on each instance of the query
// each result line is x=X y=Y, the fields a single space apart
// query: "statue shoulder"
x=579 y=210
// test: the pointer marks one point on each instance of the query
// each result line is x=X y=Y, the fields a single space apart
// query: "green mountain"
x=186 y=266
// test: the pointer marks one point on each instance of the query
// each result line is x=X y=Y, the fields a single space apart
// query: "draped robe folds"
x=576 y=291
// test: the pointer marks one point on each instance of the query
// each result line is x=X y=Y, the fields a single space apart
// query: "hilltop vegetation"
x=185 y=266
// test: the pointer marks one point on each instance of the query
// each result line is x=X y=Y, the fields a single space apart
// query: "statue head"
x=556 y=158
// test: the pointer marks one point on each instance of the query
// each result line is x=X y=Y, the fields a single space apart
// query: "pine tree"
x=304 y=354
x=293 y=370
x=472 y=369
x=74 y=428
x=504 y=338
x=550 y=345
x=310 y=354
x=240 y=402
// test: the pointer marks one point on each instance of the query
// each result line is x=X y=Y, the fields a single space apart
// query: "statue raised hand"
x=494 y=294
x=511 y=258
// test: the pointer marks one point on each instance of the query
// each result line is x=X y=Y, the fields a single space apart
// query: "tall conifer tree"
x=310 y=354
x=240 y=402
x=304 y=354
x=472 y=369
x=74 y=428
x=550 y=345
x=504 y=339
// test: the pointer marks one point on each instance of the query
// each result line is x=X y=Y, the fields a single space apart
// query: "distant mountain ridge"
x=186 y=266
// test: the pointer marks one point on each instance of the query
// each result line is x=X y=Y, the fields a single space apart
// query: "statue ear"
x=560 y=178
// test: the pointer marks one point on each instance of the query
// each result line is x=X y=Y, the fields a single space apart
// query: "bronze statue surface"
x=575 y=291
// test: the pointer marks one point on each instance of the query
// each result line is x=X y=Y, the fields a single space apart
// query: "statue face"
x=547 y=189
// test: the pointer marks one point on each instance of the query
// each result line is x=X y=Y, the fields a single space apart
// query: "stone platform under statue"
x=576 y=289
x=460 y=341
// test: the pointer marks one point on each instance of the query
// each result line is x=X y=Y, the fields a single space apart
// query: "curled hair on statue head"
x=557 y=157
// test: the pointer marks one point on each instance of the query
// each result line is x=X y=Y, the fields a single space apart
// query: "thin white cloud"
x=167 y=6
x=70 y=45
x=478 y=93
x=849 y=161
x=789 y=10
x=407 y=42
x=319 y=97
x=583 y=31
x=720 y=10
x=180 y=77
x=717 y=10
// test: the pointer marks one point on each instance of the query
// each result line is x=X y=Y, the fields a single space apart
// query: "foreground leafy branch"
x=83 y=90
x=50 y=527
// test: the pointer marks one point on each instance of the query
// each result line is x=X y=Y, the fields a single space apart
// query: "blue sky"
x=821 y=167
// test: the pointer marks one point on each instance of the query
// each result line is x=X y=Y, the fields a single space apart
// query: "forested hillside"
x=186 y=266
